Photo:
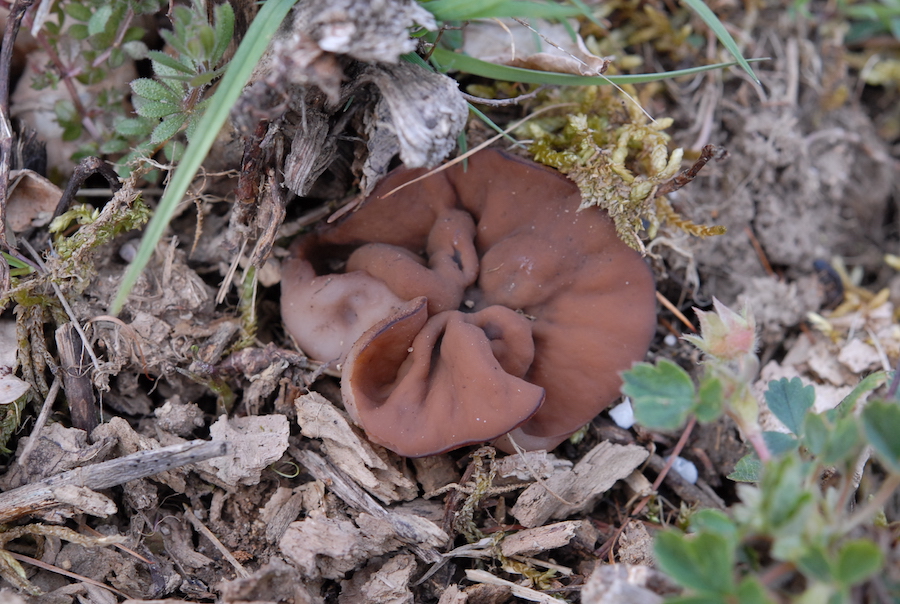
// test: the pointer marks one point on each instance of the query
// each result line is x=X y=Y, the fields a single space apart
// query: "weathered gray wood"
x=40 y=496
x=76 y=374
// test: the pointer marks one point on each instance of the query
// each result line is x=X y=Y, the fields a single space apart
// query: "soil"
x=303 y=508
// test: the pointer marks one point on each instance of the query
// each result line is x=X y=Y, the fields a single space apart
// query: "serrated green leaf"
x=703 y=562
x=789 y=400
x=154 y=91
x=252 y=47
x=880 y=420
x=168 y=128
x=77 y=11
x=114 y=145
x=747 y=469
x=97 y=22
x=710 y=401
x=153 y=109
x=224 y=26
x=856 y=561
x=170 y=62
x=662 y=395
x=134 y=127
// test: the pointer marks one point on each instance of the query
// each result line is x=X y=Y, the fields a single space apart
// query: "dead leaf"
x=257 y=442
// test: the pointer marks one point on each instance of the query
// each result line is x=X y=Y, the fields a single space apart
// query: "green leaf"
x=97 y=22
x=880 y=420
x=815 y=433
x=251 y=49
x=135 y=49
x=78 y=31
x=451 y=61
x=157 y=109
x=710 y=401
x=714 y=521
x=134 y=127
x=751 y=591
x=779 y=443
x=466 y=10
x=857 y=560
x=710 y=18
x=814 y=563
x=168 y=128
x=154 y=91
x=224 y=24
x=789 y=401
x=703 y=561
x=77 y=11
x=170 y=62
x=843 y=442
x=747 y=469
x=868 y=384
x=662 y=395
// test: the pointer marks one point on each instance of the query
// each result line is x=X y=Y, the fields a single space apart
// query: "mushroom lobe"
x=421 y=385
x=500 y=295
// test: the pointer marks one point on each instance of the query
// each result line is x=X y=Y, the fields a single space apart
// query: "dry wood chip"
x=85 y=500
x=453 y=595
x=618 y=583
x=277 y=581
x=256 y=441
x=130 y=442
x=540 y=539
x=327 y=548
x=355 y=455
x=526 y=593
x=636 y=544
x=581 y=486
x=282 y=508
x=381 y=582
x=524 y=467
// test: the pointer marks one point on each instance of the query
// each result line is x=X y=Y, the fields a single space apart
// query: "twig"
x=84 y=169
x=65 y=573
x=502 y=102
x=13 y=21
x=674 y=310
x=709 y=152
x=40 y=495
x=201 y=528
x=40 y=421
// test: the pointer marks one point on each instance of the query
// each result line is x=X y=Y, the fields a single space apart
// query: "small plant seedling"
x=794 y=537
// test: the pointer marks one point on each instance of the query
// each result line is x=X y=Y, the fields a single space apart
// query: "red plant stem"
x=679 y=446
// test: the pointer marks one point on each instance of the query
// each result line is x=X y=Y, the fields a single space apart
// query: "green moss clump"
x=617 y=156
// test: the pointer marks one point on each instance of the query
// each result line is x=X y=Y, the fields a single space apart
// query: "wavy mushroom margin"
x=474 y=305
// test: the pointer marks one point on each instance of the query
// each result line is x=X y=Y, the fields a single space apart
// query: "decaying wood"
x=42 y=495
x=352 y=453
x=540 y=539
x=76 y=378
x=382 y=582
x=616 y=583
x=581 y=486
x=422 y=536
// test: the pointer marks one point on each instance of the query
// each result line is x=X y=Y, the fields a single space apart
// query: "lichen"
x=617 y=156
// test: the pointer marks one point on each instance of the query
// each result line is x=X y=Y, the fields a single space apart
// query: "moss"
x=617 y=156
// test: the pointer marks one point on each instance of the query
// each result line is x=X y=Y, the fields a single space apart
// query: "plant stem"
x=875 y=503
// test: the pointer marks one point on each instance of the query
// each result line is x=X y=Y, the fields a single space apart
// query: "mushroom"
x=476 y=304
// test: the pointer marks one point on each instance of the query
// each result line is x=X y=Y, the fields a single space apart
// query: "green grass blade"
x=465 y=10
x=245 y=59
x=710 y=18
x=450 y=61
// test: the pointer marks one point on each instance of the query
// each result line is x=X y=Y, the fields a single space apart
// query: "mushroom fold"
x=475 y=304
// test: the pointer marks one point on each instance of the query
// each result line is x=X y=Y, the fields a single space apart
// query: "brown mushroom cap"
x=525 y=300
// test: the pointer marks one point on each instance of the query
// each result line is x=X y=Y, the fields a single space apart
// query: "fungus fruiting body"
x=474 y=304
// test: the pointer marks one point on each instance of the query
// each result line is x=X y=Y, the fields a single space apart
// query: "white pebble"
x=686 y=469
x=623 y=414
x=670 y=340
